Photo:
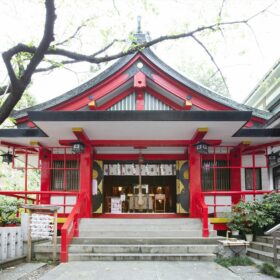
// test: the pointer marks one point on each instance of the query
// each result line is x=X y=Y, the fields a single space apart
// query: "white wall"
x=59 y=199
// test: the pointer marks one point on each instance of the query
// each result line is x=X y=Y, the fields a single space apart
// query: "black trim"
x=258 y=132
x=219 y=116
x=78 y=90
x=273 y=119
x=22 y=132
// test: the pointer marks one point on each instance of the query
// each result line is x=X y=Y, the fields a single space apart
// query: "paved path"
x=19 y=271
x=140 y=271
x=132 y=271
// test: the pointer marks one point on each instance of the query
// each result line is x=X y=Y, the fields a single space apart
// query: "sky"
x=244 y=54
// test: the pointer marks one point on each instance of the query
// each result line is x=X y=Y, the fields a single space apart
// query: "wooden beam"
x=92 y=105
x=139 y=143
x=81 y=135
x=242 y=146
x=261 y=146
x=18 y=146
x=199 y=135
x=188 y=105
x=121 y=157
x=36 y=144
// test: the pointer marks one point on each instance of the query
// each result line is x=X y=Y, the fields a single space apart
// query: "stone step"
x=147 y=233
x=139 y=227
x=141 y=257
x=112 y=221
x=265 y=247
x=145 y=240
x=266 y=239
x=144 y=249
x=131 y=249
x=260 y=255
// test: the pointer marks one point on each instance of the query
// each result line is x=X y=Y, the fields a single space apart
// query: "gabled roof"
x=147 y=54
x=202 y=89
x=76 y=91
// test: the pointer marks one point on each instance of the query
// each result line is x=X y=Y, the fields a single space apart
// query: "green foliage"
x=8 y=210
x=234 y=261
x=26 y=101
x=269 y=269
x=271 y=204
x=246 y=216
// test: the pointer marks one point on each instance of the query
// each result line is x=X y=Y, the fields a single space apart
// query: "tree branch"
x=73 y=36
x=37 y=54
x=213 y=60
x=18 y=86
x=221 y=10
x=261 y=12
x=48 y=37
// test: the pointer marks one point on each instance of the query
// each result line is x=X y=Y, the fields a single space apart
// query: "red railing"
x=35 y=197
x=203 y=210
x=70 y=228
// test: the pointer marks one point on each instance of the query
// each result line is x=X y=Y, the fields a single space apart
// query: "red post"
x=86 y=181
x=195 y=181
x=235 y=176
x=45 y=159
x=64 y=246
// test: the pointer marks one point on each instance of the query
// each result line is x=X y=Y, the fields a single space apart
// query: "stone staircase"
x=262 y=249
x=138 y=239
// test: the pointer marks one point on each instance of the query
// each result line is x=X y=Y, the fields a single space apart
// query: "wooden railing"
x=241 y=195
x=275 y=232
x=38 y=197
x=70 y=228
x=203 y=210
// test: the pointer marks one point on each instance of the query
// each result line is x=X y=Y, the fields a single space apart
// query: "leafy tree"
x=25 y=59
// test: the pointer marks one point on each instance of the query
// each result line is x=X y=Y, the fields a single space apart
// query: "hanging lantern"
x=7 y=157
x=78 y=148
x=272 y=158
x=201 y=147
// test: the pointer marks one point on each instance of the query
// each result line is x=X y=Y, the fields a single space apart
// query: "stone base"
x=232 y=248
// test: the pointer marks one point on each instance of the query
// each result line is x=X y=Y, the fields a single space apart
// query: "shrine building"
x=142 y=140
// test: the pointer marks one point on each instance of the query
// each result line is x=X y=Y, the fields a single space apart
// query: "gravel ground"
x=38 y=273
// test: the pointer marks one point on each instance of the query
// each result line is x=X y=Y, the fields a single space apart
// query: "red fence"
x=35 y=197
x=240 y=194
x=70 y=228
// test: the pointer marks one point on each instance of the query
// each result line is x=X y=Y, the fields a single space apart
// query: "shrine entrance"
x=121 y=194
x=163 y=188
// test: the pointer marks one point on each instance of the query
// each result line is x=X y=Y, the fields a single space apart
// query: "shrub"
x=269 y=269
x=234 y=261
x=250 y=215
x=271 y=204
x=8 y=211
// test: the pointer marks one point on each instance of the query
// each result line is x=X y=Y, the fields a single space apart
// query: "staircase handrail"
x=70 y=228
x=275 y=232
x=272 y=230
x=203 y=209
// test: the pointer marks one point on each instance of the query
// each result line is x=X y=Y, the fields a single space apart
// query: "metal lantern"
x=201 y=147
x=272 y=158
x=7 y=157
x=78 y=148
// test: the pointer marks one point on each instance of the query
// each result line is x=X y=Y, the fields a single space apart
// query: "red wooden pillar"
x=195 y=181
x=45 y=159
x=86 y=181
x=235 y=175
